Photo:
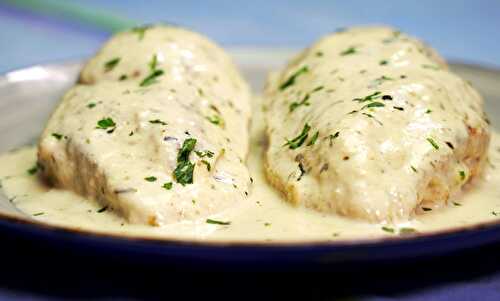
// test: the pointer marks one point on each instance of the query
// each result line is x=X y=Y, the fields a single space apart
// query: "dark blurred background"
x=35 y=31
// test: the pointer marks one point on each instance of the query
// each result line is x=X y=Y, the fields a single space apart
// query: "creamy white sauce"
x=265 y=217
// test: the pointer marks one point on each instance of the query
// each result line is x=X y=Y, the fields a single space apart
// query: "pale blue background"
x=459 y=29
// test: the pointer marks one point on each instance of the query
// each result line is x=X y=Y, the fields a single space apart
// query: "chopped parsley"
x=151 y=78
x=150 y=179
x=187 y=146
x=34 y=169
x=207 y=164
x=216 y=222
x=302 y=171
x=102 y=209
x=433 y=143
x=348 y=51
x=291 y=80
x=91 y=105
x=379 y=80
x=206 y=153
x=383 y=62
x=398 y=108
x=413 y=168
x=266 y=224
x=370 y=97
x=153 y=62
x=373 y=117
x=111 y=64
x=217 y=120
x=300 y=139
x=462 y=175
x=428 y=111
x=106 y=123
x=313 y=139
x=457 y=204
x=122 y=77
x=407 y=230
x=183 y=173
x=158 y=121
x=388 y=229
x=303 y=102
x=450 y=145
x=140 y=31
x=425 y=66
x=57 y=136
x=167 y=185
x=426 y=209
x=374 y=104
x=495 y=213
x=332 y=137
x=38 y=214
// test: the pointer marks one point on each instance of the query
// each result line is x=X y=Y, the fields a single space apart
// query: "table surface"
x=35 y=31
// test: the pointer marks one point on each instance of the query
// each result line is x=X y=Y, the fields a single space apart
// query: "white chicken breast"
x=370 y=124
x=157 y=131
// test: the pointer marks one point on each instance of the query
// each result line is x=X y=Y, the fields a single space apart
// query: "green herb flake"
x=38 y=213
x=158 y=121
x=167 y=185
x=151 y=78
x=217 y=120
x=183 y=173
x=433 y=143
x=457 y=204
x=57 y=136
x=462 y=175
x=495 y=213
x=348 y=51
x=370 y=97
x=313 y=139
x=291 y=80
x=203 y=154
x=388 y=229
x=111 y=64
x=407 y=231
x=140 y=31
x=33 y=170
x=122 y=77
x=426 y=209
x=383 y=62
x=300 y=139
x=102 y=209
x=187 y=146
x=294 y=105
x=428 y=111
x=413 y=168
x=207 y=164
x=91 y=105
x=153 y=62
x=374 y=104
x=333 y=137
x=150 y=179
x=432 y=67
x=105 y=123
x=217 y=222
x=266 y=224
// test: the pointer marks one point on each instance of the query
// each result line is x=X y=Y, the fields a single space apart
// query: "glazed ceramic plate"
x=28 y=96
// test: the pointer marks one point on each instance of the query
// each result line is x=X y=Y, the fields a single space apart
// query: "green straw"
x=71 y=12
